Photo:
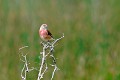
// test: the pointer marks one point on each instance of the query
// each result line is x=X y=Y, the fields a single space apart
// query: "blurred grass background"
x=89 y=51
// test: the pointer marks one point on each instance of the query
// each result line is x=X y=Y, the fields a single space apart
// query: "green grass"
x=89 y=51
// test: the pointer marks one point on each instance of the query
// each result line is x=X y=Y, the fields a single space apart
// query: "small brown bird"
x=44 y=33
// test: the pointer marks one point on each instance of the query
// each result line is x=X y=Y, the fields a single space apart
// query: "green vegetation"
x=89 y=51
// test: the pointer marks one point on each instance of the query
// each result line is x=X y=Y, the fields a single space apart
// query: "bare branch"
x=54 y=65
x=48 y=48
x=25 y=68
x=41 y=67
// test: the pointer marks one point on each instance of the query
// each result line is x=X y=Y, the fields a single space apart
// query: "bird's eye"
x=43 y=24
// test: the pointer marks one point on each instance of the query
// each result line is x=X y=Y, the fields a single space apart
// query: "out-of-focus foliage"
x=89 y=51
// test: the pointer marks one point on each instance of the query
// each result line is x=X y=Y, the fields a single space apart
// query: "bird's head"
x=43 y=26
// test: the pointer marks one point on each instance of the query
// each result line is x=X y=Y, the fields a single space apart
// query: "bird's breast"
x=43 y=32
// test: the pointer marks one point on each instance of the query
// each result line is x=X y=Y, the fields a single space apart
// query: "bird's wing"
x=49 y=33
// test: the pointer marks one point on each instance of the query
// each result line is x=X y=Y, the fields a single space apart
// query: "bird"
x=45 y=34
